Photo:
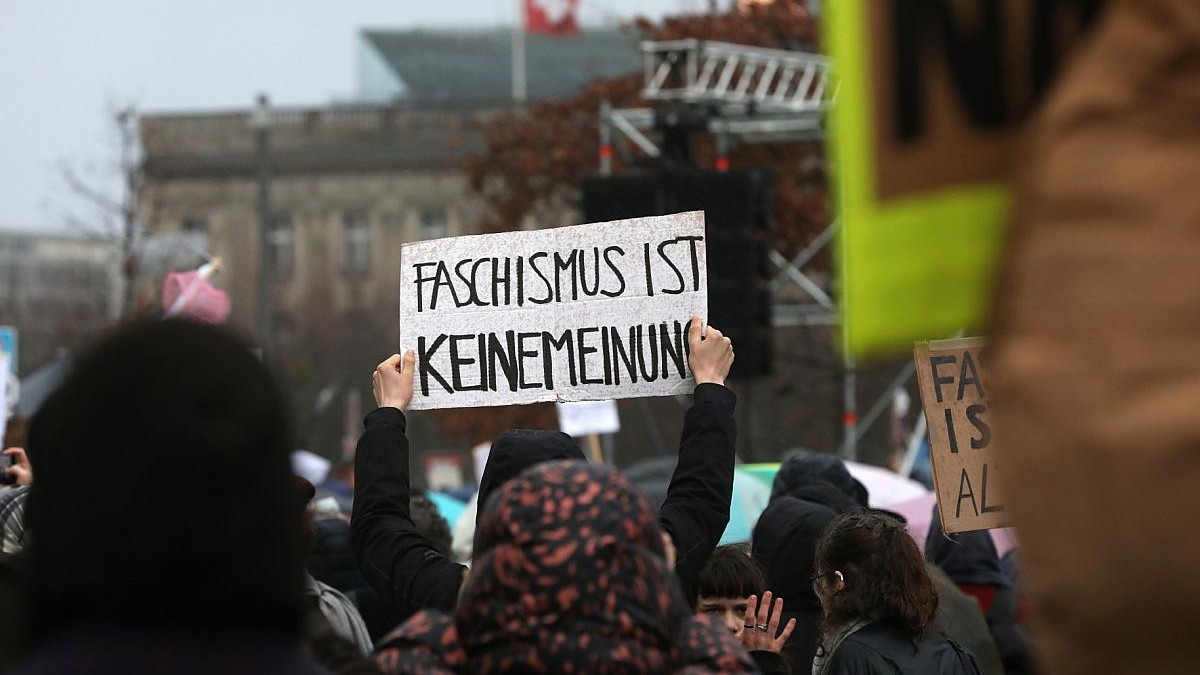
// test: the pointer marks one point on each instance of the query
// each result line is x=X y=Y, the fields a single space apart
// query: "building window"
x=356 y=242
x=433 y=224
x=281 y=245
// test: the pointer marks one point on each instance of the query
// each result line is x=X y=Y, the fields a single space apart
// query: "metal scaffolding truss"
x=751 y=95
x=720 y=73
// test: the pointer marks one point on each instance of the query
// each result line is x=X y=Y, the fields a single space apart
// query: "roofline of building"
x=335 y=109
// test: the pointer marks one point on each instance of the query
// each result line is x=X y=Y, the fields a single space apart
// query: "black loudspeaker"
x=737 y=208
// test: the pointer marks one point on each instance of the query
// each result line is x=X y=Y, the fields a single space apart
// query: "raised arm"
x=400 y=565
x=696 y=510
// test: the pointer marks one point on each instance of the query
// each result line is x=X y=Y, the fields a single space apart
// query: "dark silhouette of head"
x=164 y=496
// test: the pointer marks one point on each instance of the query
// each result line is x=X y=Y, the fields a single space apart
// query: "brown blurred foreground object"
x=1097 y=362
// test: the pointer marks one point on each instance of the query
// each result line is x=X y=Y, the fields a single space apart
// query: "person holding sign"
x=410 y=574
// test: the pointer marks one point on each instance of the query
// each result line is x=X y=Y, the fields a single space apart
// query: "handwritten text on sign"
x=965 y=467
x=568 y=314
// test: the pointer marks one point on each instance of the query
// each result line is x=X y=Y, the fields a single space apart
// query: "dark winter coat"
x=409 y=573
x=879 y=649
x=570 y=577
x=970 y=560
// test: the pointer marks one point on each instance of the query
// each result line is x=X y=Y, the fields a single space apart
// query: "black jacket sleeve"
x=399 y=564
x=696 y=510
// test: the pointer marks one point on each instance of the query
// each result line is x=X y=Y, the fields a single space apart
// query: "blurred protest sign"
x=930 y=97
x=8 y=345
x=579 y=313
x=3 y=395
x=581 y=418
x=965 y=474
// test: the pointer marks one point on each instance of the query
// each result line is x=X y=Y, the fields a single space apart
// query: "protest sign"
x=580 y=418
x=3 y=394
x=931 y=97
x=579 y=313
x=954 y=394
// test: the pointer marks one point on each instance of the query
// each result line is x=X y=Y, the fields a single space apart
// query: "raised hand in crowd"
x=710 y=355
x=761 y=633
x=392 y=381
x=21 y=471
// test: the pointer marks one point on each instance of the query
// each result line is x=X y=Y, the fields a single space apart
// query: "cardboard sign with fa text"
x=954 y=395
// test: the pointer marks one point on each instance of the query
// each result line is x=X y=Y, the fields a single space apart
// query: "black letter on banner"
x=549 y=342
x=673 y=349
x=651 y=343
x=968 y=375
x=622 y=355
x=965 y=480
x=986 y=508
x=583 y=271
x=616 y=271
x=667 y=259
x=421 y=279
x=692 y=241
x=950 y=430
x=457 y=362
x=584 y=350
x=649 y=274
x=523 y=353
x=985 y=432
x=545 y=280
x=938 y=380
x=507 y=358
x=424 y=358
x=570 y=264
x=974 y=61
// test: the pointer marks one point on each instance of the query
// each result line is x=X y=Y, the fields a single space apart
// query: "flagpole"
x=518 y=55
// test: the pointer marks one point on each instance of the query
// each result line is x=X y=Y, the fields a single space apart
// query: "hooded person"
x=970 y=560
x=784 y=540
x=570 y=576
x=164 y=512
x=805 y=468
x=409 y=573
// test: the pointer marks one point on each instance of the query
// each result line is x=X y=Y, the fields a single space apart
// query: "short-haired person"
x=729 y=588
x=878 y=603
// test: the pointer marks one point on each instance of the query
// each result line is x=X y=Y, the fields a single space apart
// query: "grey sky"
x=64 y=62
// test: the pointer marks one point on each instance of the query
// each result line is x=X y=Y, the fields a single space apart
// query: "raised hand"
x=761 y=634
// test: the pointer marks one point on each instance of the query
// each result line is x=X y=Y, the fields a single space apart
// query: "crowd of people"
x=155 y=526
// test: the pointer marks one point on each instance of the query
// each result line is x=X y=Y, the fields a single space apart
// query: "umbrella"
x=450 y=508
x=750 y=494
x=886 y=488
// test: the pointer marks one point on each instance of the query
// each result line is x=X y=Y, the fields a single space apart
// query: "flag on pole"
x=191 y=295
x=551 y=17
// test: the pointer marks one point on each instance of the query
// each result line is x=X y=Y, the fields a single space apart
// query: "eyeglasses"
x=817 y=577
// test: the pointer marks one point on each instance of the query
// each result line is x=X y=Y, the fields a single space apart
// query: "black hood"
x=784 y=542
x=967 y=557
x=805 y=468
x=825 y=494
x=518 y=449
x=164 y=496
x=785 y=538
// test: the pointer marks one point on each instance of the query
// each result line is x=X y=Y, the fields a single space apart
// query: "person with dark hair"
x=972 y=563
x=878 y=603
x=407 y=571
x=206 y=572
x=731 y=589
x=570 y=576
x=430 y=523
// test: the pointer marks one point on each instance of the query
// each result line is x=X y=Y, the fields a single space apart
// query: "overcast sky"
x=63 y=63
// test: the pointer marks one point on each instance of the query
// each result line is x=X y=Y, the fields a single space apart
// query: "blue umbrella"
x=750 y=496
x=448 y=506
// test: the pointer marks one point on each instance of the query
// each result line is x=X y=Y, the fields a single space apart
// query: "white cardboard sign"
x=580 y=418
x=579 y=313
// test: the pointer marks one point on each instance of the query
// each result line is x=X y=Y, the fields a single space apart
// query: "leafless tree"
x=103 y=202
